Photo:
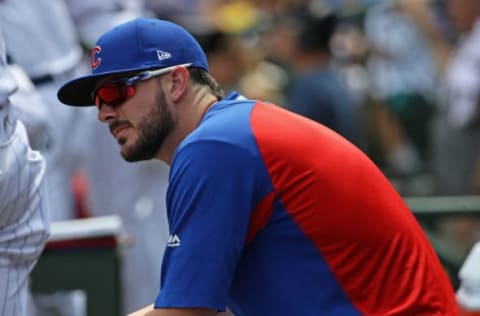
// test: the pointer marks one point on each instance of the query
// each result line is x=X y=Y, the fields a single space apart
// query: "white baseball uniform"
x=41 y=38
x=136 y=192
x=468 y=293
x=23 y=213
x=92 y=17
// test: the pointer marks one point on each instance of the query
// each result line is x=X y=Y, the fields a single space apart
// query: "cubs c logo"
x=95 y=60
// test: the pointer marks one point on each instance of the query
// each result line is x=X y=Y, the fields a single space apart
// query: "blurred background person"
x=24 y=218
x=318 y=89
x=248 y=26
x=229 y=58
x=47 y=49
x=402 y=75
x=456 y=132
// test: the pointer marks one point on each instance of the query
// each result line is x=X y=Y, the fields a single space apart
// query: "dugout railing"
x=93 y=264
x=461 y=216
x=81 y=256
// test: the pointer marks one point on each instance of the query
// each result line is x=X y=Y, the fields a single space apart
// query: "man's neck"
x=191 y=111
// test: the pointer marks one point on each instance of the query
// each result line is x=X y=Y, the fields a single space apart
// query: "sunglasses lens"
x=114 y=94
x=110 y=94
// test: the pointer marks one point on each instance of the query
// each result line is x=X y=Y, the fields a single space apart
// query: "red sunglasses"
x=118 y=91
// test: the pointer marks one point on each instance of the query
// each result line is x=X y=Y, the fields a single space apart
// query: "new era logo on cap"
x=163 y=55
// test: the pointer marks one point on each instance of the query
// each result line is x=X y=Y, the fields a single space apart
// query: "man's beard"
x=152 y=131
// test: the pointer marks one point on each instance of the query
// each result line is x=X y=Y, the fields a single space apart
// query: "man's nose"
x=106 y=113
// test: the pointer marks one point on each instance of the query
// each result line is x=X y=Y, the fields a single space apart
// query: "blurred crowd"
x=396 y=77
x=399 y=78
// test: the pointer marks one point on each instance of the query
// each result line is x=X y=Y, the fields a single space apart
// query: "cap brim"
x=78 y=92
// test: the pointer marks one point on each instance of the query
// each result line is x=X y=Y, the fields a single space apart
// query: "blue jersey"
x=271 y=213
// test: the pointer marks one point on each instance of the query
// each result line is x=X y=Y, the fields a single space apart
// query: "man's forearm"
x=150 y=311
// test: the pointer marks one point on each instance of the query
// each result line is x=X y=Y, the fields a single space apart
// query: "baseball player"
x=269 y=212
x=141 y=204
x=23 y=214
x=47 y=49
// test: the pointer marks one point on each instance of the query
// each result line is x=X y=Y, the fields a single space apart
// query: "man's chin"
x=131 y=155
x=128 y=155
x=126 y=152
x=130 y=158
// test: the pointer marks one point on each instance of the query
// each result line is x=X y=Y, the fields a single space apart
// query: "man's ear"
x=178 y=84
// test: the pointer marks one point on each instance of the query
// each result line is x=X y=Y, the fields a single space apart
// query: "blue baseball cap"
x=139 y=44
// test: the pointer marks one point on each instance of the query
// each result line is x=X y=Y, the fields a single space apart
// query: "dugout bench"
x=84 y=255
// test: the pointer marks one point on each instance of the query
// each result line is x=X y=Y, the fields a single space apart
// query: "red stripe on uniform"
x=260 y=216
x=354 y=217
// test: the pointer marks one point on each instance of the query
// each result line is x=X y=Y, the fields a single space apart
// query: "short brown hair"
x=202 y=77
